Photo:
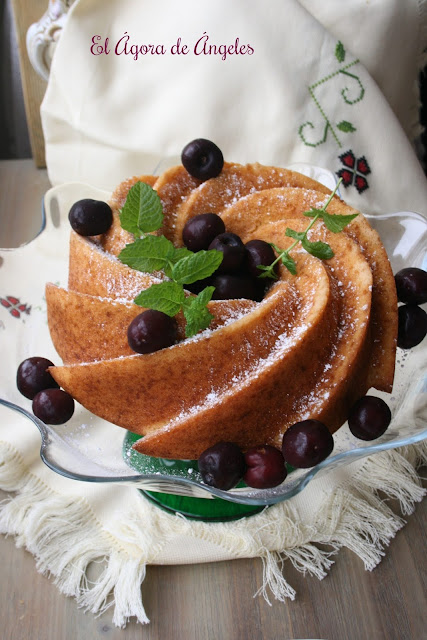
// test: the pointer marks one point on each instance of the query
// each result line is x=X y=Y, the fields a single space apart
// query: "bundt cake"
x=313 y=345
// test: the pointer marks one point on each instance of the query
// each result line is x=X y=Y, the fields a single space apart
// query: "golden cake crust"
x=250 y=212
x=234 y=182
x=119 y=195
x=96 y=272
x=87 y=328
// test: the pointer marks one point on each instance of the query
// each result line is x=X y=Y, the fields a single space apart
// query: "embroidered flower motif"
x=354 y=171
x=15 y=306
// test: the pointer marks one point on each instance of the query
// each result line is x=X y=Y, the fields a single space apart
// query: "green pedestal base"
x=209 y=510
x=215 y=510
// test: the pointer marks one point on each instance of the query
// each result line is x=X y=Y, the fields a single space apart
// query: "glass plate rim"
x=233 y=495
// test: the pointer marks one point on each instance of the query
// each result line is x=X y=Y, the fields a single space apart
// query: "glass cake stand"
x=90 y=449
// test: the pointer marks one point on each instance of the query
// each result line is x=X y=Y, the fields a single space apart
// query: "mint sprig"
x=141 y=214
x=167 y=297
x=335 y=223
x=196 y=313
x=148 y=254
x=142 y=211
x=196 y=266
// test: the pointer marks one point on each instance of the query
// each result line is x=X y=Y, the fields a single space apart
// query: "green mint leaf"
x=196 y=266
x=346 y=126
x=340 y=52
x=289 y=263
x=181 y=253
x=203 y=298
x=175 y=256
x=336 y=223
x=167 y=297
x=142 y=211
x=147 y=254
x=267 y=271
x=275 y=247
x=318 y=249
x=297 y=235
x=312 y=213
x=196 y=313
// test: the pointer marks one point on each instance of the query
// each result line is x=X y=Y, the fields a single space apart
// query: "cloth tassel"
x=123 y=577
x=273 y=579
x=355 y=518
x=65 y=537
x=65 y=540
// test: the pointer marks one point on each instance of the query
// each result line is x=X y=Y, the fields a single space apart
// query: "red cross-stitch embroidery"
x=15 y=306
x=354 y=171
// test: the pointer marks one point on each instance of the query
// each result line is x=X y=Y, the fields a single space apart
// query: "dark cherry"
x=230 y=287
x=222 y=465
x=411 y=285
x=369 y=418
x=412 y=326
x=90 y=217
x=53 y=406
x=32 y=376
x=307 y=443
x=199 y=231
x=199 y=285
x=258 y=252
x=233 y=251
x=152 y=330
x=265 y=467
x=202 y=159
x=262 y=285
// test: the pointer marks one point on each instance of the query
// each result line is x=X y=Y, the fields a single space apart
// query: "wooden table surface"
x=212 y=601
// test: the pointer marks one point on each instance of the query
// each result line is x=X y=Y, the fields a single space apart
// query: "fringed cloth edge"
x=65 y=536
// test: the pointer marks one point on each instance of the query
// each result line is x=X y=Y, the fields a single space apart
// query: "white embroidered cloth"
x=335 y=87
x=300 y=97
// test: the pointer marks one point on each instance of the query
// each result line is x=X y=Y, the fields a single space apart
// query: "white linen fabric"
x=296 y=98
x=330 y=86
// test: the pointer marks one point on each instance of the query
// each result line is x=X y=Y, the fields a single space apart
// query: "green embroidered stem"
x=313 y=144
x=332 y=75
x=362 y=89
x=318 y=105
x=344 y=125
